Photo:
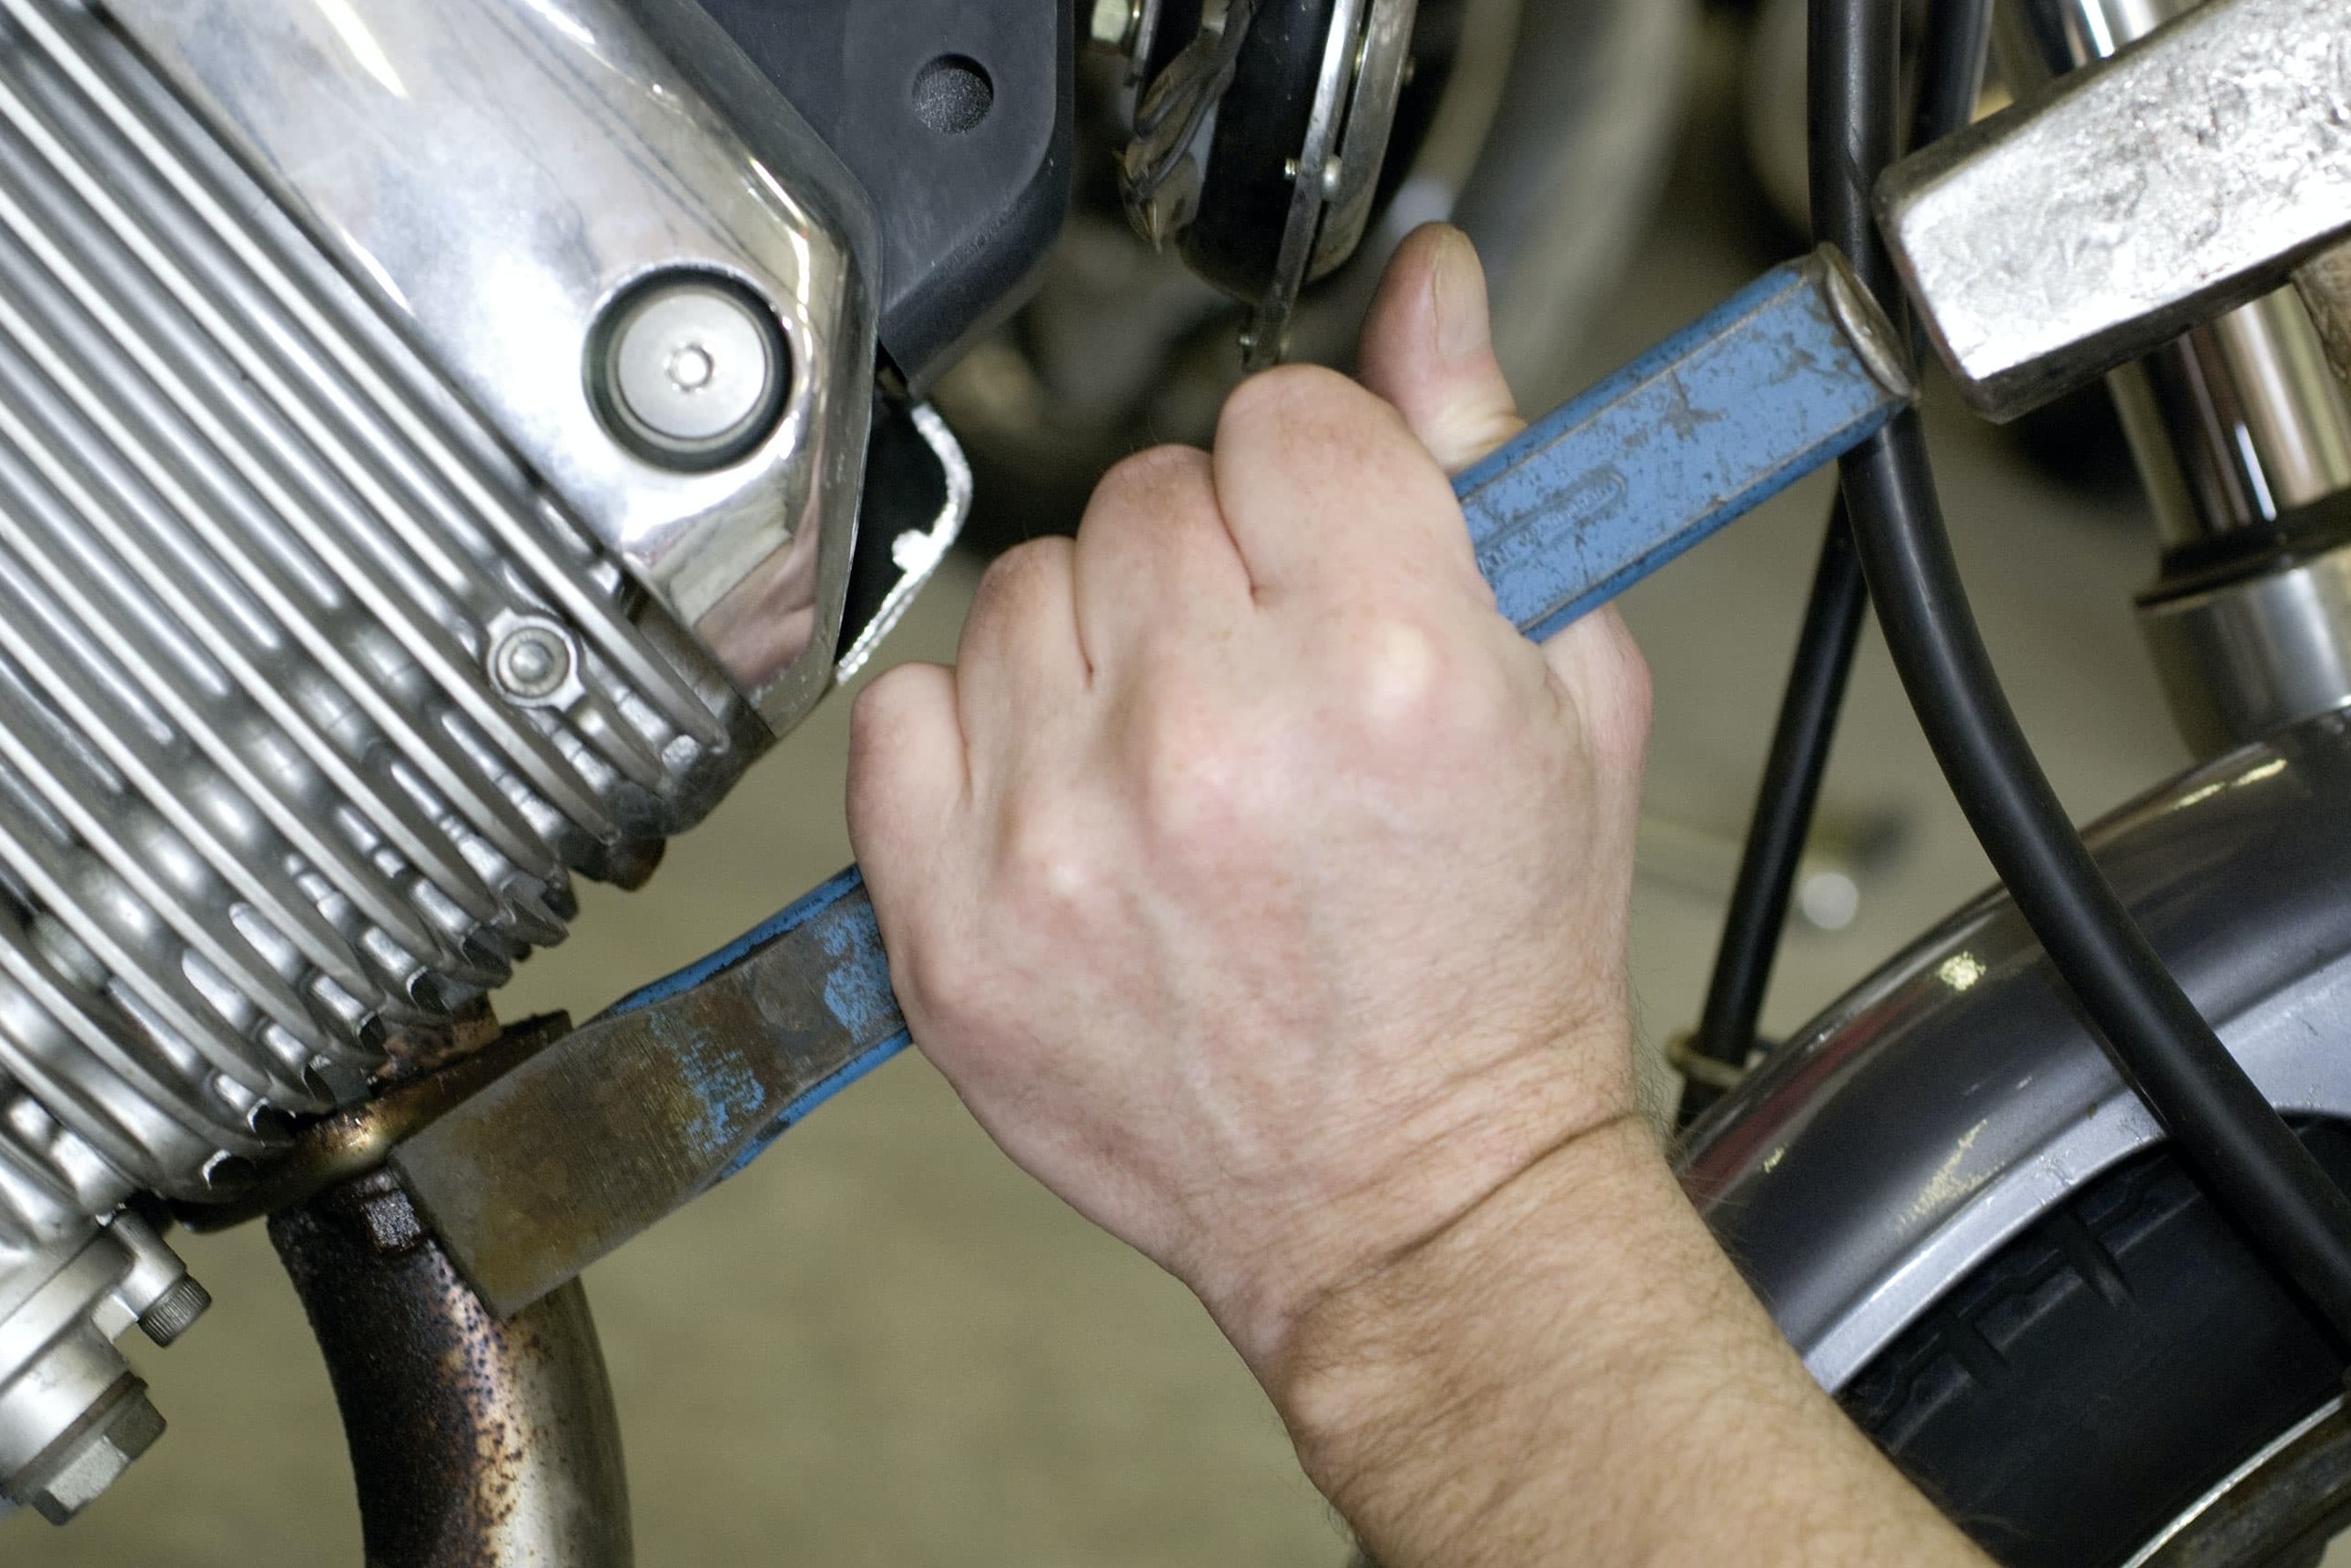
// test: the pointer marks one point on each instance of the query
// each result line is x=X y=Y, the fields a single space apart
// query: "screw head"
x=531 y=662
x=690 y=371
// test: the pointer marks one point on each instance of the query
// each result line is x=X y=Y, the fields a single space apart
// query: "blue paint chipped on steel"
x=760 y=937
x=836 y=919
x=799 y=1110
x=1583 y=505
x=730 y=1094
x=1665 y=452
x=857 y=993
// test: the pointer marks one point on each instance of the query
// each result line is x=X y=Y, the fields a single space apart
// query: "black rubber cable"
x=2254 y=1167
x=1758 y=911
x=1951 y=64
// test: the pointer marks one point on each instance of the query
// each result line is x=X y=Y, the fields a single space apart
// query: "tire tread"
x=2100 y=1370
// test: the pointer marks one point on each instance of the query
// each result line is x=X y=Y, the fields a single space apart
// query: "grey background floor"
x=883 y=1344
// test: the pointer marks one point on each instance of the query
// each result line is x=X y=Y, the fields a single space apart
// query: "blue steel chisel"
x=589 y=1142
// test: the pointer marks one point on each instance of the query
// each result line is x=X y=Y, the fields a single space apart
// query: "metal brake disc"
x=1260 y=129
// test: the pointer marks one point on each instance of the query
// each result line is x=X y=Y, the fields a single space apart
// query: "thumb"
x=1428 y=349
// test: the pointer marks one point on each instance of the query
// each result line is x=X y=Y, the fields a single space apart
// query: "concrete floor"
x=883 y=1344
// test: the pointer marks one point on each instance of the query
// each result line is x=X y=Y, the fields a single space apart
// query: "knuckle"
x=883 y=698
x=1394 y=675
x=1200 y=781
x=1339 y=443
x=890 y=703
x=1414 y=697
x=1150 y=477
x=1019 y=579
x=1011 y=572
x=1049 y=878
x=1609 y=680
x=1149 y=492
x=1288 y=396
x=936 y=971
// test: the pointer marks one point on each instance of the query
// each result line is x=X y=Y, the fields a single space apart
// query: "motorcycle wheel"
x=2125 y=1383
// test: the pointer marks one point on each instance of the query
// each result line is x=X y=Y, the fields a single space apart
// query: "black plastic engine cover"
x=956 y=116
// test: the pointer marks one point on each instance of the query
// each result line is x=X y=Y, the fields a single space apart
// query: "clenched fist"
x=1262 y=892
x=1257 y=885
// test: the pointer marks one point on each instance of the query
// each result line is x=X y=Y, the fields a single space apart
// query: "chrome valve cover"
x=341 y=626
x=500 y=174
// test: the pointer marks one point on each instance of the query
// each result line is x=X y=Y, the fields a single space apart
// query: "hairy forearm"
x=1573 y=1372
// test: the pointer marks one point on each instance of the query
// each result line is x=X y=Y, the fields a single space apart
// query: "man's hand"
x=1263 y=893
x=1257 y=885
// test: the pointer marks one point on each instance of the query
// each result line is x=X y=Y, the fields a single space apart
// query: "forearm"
x=1575 y=1373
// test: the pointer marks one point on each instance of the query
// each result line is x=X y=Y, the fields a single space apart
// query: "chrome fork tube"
x=2241 y=431
x=2240 y=423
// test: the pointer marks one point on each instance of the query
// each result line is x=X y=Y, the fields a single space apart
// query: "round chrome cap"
x=694 y=371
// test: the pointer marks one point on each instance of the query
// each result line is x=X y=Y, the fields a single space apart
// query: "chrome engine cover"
x=338 y=630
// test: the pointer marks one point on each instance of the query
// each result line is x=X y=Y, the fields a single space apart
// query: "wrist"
x=1449 y=1168
x=1400 y=1362
x=1539 y=1381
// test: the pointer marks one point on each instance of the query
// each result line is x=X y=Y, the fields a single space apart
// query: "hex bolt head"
x=690 y=371
x=71 y=1475
x=532 y=661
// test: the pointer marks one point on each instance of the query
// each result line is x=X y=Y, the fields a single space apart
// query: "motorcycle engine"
x=430 y=437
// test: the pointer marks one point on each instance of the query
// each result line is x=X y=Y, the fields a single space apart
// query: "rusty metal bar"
x=475 y=1443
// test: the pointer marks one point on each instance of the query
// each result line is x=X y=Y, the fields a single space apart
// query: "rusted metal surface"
x=353 y=1142
x=639 y=1111
x=476 y=1444
x=422 y=1050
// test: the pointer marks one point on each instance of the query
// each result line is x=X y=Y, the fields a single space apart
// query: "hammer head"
x=2188 y=173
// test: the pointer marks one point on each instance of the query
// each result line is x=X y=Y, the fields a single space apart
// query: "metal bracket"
x=917 y=544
